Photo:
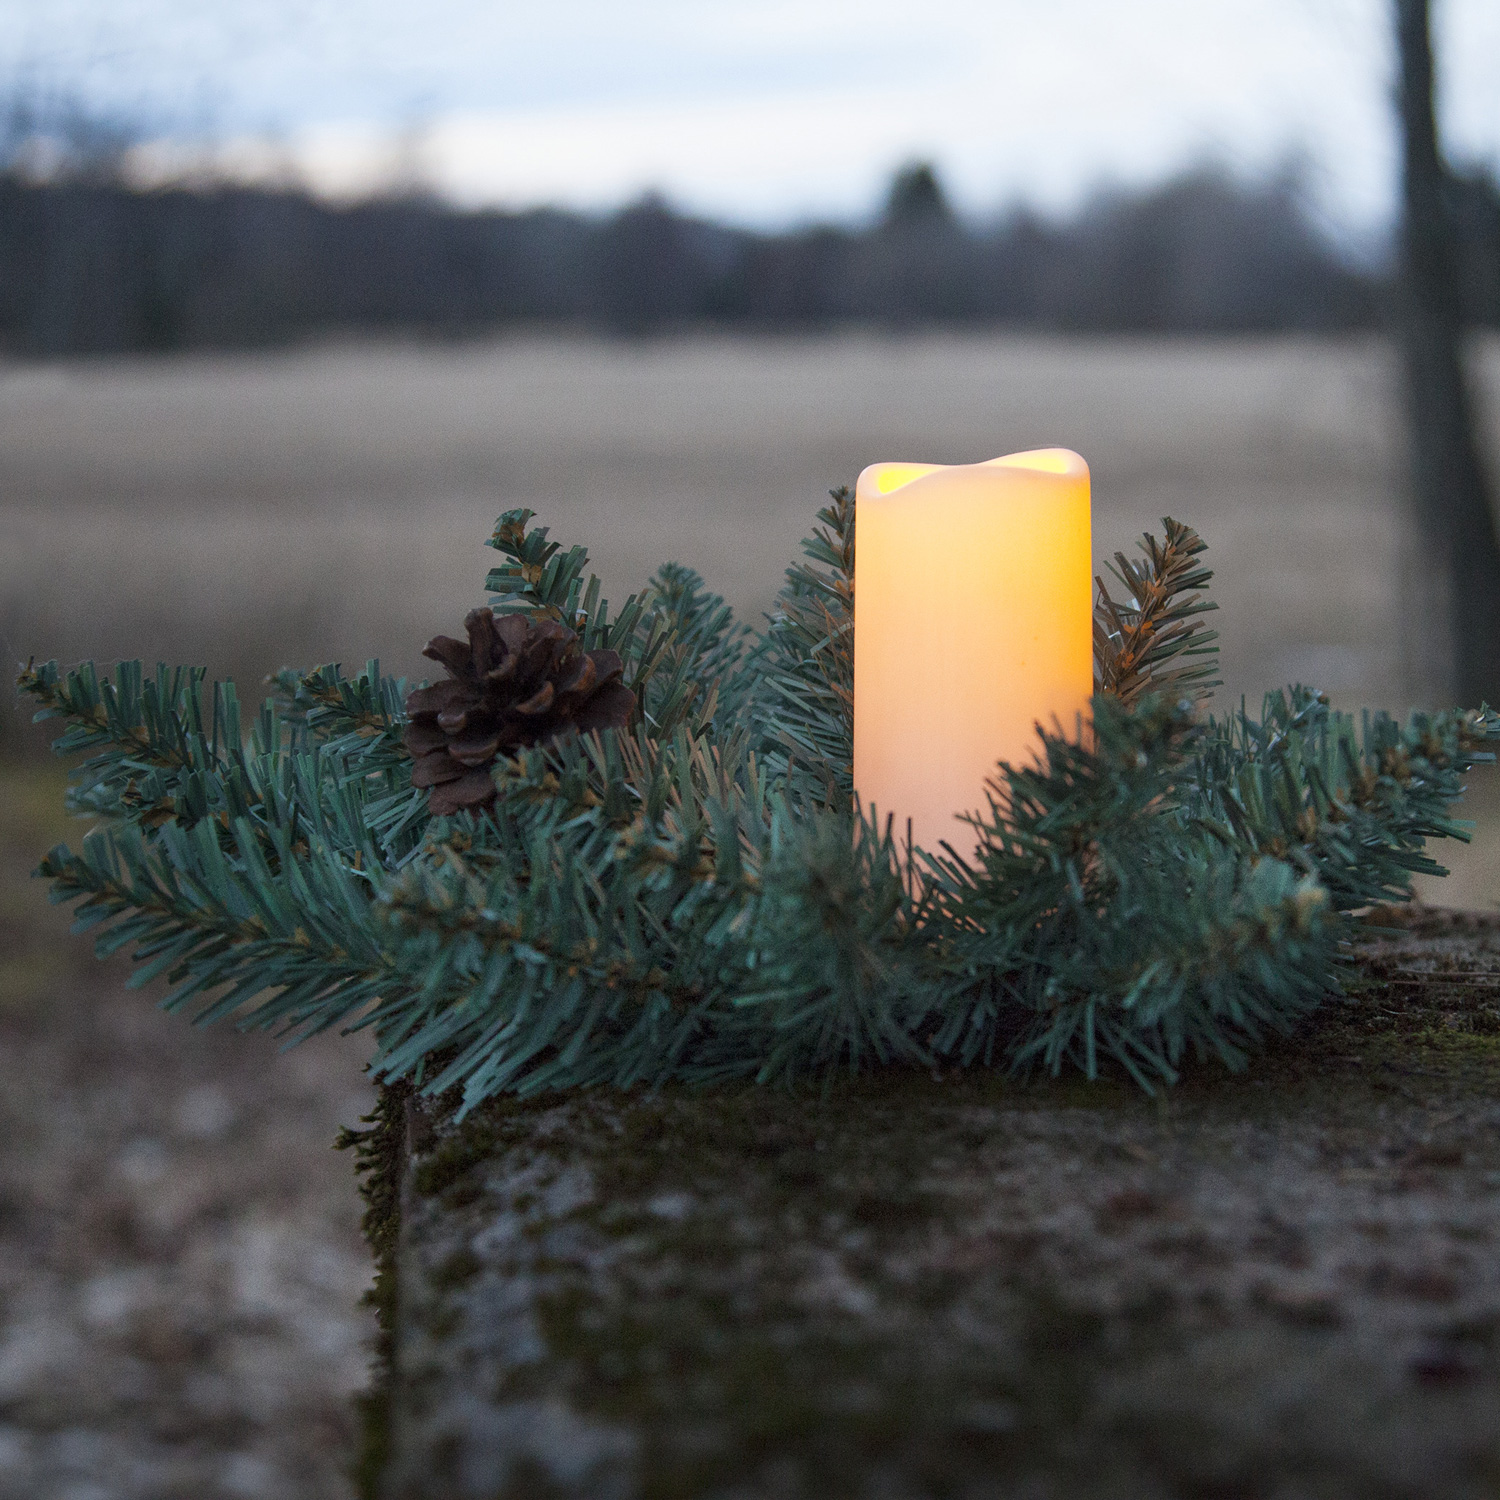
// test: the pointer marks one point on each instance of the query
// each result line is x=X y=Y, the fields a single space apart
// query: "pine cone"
x=515 y=682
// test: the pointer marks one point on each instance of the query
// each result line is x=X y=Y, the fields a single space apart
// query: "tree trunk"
x=1455 y=520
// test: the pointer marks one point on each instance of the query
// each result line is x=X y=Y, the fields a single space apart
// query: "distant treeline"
x=90 y=265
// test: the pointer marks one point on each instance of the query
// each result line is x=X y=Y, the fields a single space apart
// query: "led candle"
x=973 y=622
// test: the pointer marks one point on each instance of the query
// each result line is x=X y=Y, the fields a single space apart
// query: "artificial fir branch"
x=802 y=691
x=703 y=649
x=1111 y=927
x=538 y=576
x=159 y=720
x=1353 y=804
x=542 y=580
x=226 y=928
x=333 y=708
x=833 y=967
x=154 y=751
x=1137 y=640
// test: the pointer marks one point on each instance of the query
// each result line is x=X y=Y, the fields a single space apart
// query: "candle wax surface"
x=973 y=600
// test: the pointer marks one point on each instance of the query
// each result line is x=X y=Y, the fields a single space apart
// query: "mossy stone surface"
x=1280 y=1284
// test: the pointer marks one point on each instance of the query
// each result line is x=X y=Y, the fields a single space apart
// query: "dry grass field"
x=306 y=505
x=177 y=1305
x=293 y=508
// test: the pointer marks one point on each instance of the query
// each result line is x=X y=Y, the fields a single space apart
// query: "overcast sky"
x=765 y=111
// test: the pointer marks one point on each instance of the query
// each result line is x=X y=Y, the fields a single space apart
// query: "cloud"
x=770 y=111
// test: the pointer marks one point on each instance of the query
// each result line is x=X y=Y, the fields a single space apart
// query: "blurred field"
x=180 y=1256
x=295 y=507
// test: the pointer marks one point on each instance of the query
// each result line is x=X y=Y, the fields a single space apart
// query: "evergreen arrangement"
x=623 y=847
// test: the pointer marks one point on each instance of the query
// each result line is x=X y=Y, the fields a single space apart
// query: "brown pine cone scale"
x=514 y=682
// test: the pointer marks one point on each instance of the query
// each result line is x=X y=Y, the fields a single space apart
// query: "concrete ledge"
x=1286 y=1284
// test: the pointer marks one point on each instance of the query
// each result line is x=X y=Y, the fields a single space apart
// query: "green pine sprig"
x=801 y=676
x=1147 y=642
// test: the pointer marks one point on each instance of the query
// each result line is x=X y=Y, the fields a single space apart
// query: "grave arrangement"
x=625 y=846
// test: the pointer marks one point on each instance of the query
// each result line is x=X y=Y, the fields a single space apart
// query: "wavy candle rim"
x=887 y=478
x=973 y=623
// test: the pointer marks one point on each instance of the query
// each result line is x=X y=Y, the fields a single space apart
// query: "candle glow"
x=973 y=591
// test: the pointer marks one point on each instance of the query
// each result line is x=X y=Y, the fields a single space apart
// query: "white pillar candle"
x=973 y=622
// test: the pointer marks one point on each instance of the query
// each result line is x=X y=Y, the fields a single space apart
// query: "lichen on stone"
x=910 y=1285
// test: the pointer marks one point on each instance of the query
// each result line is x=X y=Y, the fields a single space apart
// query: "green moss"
x=702 y=1338
x=441 y=1170
x=750 y=1394
x=456 y=1270
x=723 y=1394
x=443 y=1320
x=455 y=1158
x=1480 y=1046
x=379 y=1161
